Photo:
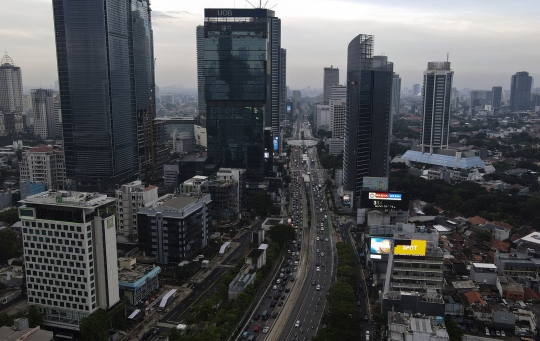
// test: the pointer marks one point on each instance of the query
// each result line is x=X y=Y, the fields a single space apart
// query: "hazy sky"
x=488 y=40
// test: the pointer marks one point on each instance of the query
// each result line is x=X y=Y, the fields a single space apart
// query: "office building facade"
x=11 y=88
x=520 y=91
x=369 y=100
x=106 y=76
x=242 y=49
x=70 y=255
x=331 y=78
x=200 y=74
x=496 y=96
x=129 y=198
x=43 y=111
x=436 y=95
x=396 y=93
x=174 y=228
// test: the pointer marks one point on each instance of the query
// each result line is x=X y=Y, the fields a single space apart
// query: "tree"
x=34 y=317
x=454 y=331
x=261 y=203
x=94 y=327
x=429 y=210
x=9 y=246
x=281 y=234
x=10 y=216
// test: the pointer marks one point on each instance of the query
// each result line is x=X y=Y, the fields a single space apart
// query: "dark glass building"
x=369 y=100
x=241 y=81
x=106 y=76
x=496 y=96
x=520 y=91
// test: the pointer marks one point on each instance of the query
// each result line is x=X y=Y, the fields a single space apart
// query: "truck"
x=289 y=222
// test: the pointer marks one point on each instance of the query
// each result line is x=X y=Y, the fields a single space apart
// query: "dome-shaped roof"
x=7 y=60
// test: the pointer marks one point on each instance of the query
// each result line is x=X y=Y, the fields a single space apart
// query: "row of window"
x=59 y=297
x=51 y=254
x=65 y=286
x=49 y=233
x=55 y=226
x=58 y=248
x=59 y=269
x=45 y=275
x=56 y=241
x=60 y=303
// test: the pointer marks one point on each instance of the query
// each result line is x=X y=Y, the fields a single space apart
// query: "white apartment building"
x=182 y=142
x=129 y=198
x=322 y=116
x=44 y=164
x=70 y=255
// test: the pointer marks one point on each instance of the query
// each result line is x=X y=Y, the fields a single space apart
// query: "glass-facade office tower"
x=241 y=80
x=43 y=112
x=106 y=75
x=520 y=91
x=436 y=95
x=200 y=75
x=331 y=78
x=496 y=92
x=11 y=88
x=369 y=100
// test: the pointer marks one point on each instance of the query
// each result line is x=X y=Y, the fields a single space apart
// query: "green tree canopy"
x=9 y=246
x=261 y=203
x=282 y=234
x=94 y=327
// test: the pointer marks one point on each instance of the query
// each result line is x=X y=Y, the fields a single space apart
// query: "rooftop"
x=255 y=253
x=180 y=202
x=68 y=198
x=134 y=274
x=466 y=159
x=34 y=334
x=485 y=265
x=533 y=238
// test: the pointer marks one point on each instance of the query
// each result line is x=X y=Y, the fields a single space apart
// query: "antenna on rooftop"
x=260 y=4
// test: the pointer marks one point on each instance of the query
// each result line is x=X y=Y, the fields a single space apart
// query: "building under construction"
x=152 y=150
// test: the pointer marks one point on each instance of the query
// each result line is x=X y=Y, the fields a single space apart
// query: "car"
x=313 y=282
x=245 y=335
x=273 y=304
x=297 y=323
x=317 y=238
x=282 y=297
x=498 y=333
x=294 y=270
x=318 y=287
x=317 y=250
x=276 y=296
x=256 y=329
x=503 y=334
x=325 y=239
x=292 y=278
x=296 y=263
x=322 y=254
x=274 y=315
x=366 y=317
x=257 y=317
x=274 y=287
x=318 y=269
x=487 y=332
x=280 y=304
x=266 y=329
x=358 y=303
x=367 y=335
x=287 y=290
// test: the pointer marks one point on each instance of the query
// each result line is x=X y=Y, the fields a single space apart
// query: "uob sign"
x=224 y=12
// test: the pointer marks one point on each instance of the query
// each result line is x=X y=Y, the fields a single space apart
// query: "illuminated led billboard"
x=413 y=247
x=380 y=246
x=384 y=200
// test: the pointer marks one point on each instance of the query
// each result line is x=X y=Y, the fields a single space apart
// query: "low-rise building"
x=407 y=327
x=21 y=331
x=515 y=264
x=129 y=198
x=508 y=289
x=44 y=164
x=427 y=304
x=484 y=273
x=137 y=281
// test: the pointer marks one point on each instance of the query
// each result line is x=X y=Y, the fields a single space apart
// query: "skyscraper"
x=416 y=89
x=369 y=97
x=106 y=75
x=331 y=77
x=396 y=95
x=11 y=89
x=242 y=49
x=496 y=96
x=43 y=112
x=200 y=74
x=436 y=95
x=520 y=91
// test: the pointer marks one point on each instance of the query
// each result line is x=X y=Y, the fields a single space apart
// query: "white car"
x=274 y=287
x=318 y=238
x=297 y=324
x=318 y=287
x=318 y=269
x=266 y=329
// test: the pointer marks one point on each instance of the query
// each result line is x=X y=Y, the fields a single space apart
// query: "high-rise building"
x=436 y=95
x=129 y=198
x=151 y=145
x=106 y=77
x=282 y=92
x=416 y=89
x=43 y=112
x=338 y=111
x=520 y=91
x=11 y=88
x=200 y=68
x=57 y=112
x=331 y=78
x=70 y=255
x=242 y=49
x=369 y=100
x=174 y=228
x=496 y=96
x=396 y=94
x=44 y=164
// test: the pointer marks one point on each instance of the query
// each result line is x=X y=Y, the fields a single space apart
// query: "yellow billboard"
x=416 y=248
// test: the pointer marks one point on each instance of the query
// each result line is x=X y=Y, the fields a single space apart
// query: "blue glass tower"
x=241 y=70
x=106 y=75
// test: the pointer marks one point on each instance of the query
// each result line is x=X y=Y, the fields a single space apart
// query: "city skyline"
x=487 y=44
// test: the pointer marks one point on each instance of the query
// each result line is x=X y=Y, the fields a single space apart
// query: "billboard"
x=384 y=200
x=276 y=144
x=375 y=183
x=380 y=246
x=414 y=247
